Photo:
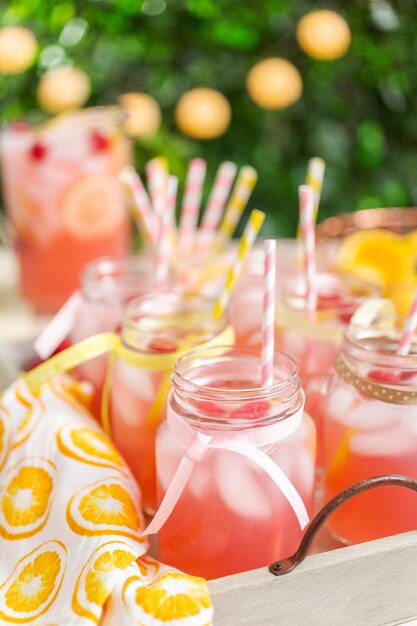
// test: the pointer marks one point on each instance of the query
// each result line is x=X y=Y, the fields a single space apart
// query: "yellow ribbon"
x=111 y=343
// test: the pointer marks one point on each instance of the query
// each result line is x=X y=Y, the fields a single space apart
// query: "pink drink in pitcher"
x=231 y=516
x=63 y=199
x=370 y=429
x=314 y=344
x=156 y=329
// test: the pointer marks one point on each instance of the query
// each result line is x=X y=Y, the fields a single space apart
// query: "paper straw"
x=247 y=240
x=164 y=246
x=192 y=199
x=143 y=213
x=314 y=178
x=315 y=175
x=306 y=201
x=409 y=330
x=156 y=175
x=242 y=190
x=268 y=313
x=217 y=199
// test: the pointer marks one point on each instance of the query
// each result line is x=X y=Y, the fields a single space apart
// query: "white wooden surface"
x=372 y=584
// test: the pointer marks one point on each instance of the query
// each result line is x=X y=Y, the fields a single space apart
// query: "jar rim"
x=232 y=406
x=107 y=279
x=153 y=314
x=329 y=283
x=202 y=356
x=361 y=345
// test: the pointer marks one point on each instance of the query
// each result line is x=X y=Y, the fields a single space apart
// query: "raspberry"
x=210 y=408
x=385 y=377
x=99 y=142
x=330 y=301
x=345 y=317
x=251 y=411
x=38 y=151
x=162 y=345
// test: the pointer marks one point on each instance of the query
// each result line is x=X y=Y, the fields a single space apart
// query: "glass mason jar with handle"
x=242 y=505
x=63 y=199
x=370 y=429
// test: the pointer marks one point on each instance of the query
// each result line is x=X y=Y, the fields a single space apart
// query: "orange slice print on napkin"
x=34 y=583
x=98 y=577
x=105 y=508
x=88 y=446
x=26 y=498
x=93 y=207
x=171 y=596
x=6 y=430
x=33 y=411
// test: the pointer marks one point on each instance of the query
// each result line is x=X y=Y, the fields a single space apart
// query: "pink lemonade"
x=314 y=345
x=246 y=304
x=156 y=329
x=231 y=516
x=107 y=285
x=370 y=429
x=63 y=199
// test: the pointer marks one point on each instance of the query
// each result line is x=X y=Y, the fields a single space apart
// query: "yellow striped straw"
x=242 y=190
x=256 y=219
x=314 y=178
x=163 y=161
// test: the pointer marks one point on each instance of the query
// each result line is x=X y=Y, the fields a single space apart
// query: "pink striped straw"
x=308 y=236
x=164 y=247
x=217 y=200
x=268 y=316
x=157 y=176
x=409 y=330
x=193 y=192
x=143 y=214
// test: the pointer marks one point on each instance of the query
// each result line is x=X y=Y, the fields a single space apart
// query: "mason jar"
x=231 y=515
x=107 y=285
x=156 y=330
x=370 y=429
x=314 y=344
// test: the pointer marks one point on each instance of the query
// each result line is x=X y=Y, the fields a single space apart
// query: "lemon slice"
x=93 y=207
x=379 y=253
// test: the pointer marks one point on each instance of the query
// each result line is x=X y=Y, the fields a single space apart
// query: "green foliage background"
x=359 y=112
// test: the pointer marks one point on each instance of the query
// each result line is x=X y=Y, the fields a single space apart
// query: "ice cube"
x=136 y=380
x=246 y=311
x=242 y=486
x=384 y=443
x=368 y=414
x=169 y=452
x=292 y=343
x=340 y=401
x=409 y=419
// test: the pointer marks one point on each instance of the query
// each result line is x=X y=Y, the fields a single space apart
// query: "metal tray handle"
x=287 y=565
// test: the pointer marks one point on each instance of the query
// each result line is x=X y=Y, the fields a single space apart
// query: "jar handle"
x=288 y=564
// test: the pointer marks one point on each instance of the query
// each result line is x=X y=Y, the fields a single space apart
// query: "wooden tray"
x=371 y=584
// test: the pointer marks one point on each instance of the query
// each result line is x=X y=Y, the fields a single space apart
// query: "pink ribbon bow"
x=244 y=442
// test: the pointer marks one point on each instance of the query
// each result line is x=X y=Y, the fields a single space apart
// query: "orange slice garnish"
x=378 y=253
x=93 y=207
